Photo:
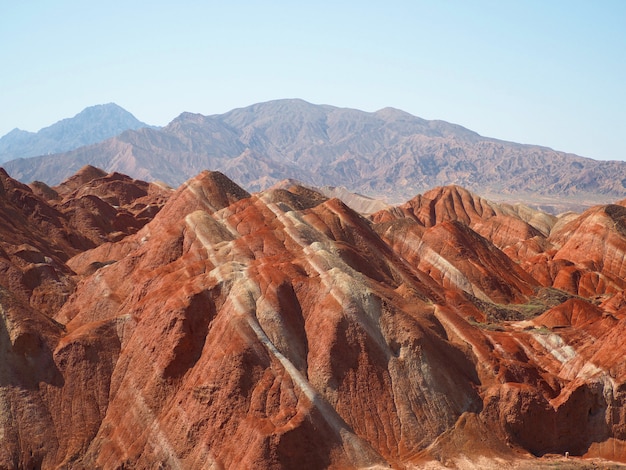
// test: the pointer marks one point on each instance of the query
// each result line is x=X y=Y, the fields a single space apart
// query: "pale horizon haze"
x=550 y=73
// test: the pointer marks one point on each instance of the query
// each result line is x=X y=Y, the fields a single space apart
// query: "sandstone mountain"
x=208 y=327
x=90 y=126
x=388 y=154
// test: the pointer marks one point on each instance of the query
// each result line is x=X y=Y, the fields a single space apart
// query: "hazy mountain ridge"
x=386 y=154
x=92 y=125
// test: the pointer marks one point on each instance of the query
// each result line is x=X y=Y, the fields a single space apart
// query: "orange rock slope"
x=212 y=328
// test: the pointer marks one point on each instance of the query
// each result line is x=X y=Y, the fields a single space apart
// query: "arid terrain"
x=209 y=327
x=389 y=155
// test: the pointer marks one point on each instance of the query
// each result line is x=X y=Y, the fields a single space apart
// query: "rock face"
x=386 y=154
x=208 y=327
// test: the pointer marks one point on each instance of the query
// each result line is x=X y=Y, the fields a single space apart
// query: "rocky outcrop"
x=282 y=329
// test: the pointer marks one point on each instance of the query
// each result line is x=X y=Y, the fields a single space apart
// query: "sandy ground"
x=547 y=462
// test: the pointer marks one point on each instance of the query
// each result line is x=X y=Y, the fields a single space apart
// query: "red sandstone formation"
x=213 y=328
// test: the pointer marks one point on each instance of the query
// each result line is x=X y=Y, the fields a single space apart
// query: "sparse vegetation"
x=544 y=299
x=485 y=325
x=543 y=330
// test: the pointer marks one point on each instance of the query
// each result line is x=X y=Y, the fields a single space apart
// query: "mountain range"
x=209 y=327
x=388 y=155
x=90 y=126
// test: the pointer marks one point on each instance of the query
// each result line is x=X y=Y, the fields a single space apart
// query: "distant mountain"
x=92 y=125
x=387 y=154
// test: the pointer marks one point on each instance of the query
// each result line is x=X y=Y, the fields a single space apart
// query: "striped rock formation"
x=208 y=327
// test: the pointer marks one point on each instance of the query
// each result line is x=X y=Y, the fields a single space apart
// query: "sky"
x=546 y=72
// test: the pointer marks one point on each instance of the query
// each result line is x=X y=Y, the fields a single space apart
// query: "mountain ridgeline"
x=387 y=154
x=90 y=126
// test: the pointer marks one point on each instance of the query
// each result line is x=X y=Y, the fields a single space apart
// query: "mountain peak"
x=208 y=191
x=93 y=124
x=187 y=117
x=108 y=114
x=18 y=132
x=99 y=109
x=83 y=176
x=394 y=113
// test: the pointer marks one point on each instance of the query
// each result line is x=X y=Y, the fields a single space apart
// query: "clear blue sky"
x=549 y=72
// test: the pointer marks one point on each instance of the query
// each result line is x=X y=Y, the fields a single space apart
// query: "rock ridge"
x=143 y=326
